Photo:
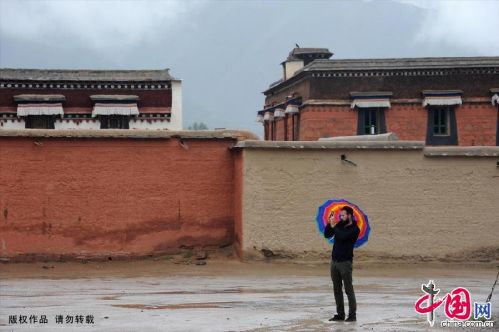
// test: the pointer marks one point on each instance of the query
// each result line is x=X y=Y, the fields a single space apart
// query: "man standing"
x=345 y=234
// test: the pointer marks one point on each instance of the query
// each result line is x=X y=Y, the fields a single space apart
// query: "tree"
x=198 y=126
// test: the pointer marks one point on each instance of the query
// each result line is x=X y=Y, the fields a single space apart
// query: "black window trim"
x=106 y=119
x=436 y=139
x=31 y=120
x=361 y=119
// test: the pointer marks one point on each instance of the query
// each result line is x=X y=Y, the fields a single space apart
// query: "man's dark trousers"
x=341 y=273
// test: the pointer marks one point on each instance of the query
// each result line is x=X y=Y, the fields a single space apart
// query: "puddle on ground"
x=199 y=305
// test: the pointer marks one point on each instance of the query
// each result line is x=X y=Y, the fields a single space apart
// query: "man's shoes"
x=337 y=317
x=351 y=318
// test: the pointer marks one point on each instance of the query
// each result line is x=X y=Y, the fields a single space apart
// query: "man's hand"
x=331 y=219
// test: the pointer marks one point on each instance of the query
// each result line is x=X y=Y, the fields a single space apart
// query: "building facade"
x=90 y=99
x=442 y=101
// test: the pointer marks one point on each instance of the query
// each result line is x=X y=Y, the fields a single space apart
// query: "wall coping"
x=428 y=151
x=376 y=137
x=331 y=145
x=348 y=102
x=461 y=151
x=123 y=133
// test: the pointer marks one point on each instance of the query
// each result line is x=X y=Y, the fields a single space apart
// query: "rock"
x=182 y=261
x=267 y=252
x=201 y=263
x=201 y=255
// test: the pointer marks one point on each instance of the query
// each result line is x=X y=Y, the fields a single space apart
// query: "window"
x=40 y=121
x=442 y=129
x=114 y=121
x=371 y=121
x=441 y=121
x=274 y=127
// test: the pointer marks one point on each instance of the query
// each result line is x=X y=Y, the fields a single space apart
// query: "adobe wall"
x=422 y=202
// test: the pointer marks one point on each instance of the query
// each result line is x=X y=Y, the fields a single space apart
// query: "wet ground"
x=225 y=295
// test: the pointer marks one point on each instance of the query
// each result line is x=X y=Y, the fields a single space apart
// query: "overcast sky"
x=228 y=52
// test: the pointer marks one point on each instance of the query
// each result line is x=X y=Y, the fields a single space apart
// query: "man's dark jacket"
x=344 y=239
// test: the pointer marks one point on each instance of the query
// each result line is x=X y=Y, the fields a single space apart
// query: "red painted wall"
x=78 y=100
x=238 y=201
x=98 y=197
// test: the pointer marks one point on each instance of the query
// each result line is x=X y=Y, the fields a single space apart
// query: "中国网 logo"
x=457 y=307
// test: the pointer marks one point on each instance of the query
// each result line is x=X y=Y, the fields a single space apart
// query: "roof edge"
x=132 y=134
x=461 y=151
x=86 y=75
x=330 y=145
x=312 y=66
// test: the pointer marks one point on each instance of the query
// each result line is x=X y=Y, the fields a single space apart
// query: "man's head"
x=346 y=214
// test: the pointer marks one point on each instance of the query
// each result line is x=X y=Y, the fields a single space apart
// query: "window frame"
x=450 y=138
x=106 y=120
x=364 y=113
x=31 y=120
x=437 y=110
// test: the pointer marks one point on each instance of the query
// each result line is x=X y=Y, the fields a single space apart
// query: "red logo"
x=457 y=303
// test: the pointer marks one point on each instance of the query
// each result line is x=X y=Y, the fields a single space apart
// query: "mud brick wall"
x=420 y=206
x=93 y=197
x=129 y=196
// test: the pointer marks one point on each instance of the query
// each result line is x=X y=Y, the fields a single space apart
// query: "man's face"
x=343 y=215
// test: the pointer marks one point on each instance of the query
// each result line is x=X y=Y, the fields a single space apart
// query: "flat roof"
x=80 y=75
x=359 y=65
x=402 y=63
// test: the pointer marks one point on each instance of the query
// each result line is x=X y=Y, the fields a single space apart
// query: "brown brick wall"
x=476 y=122
x=327 y=121
x=408 y=121
x=280 y=129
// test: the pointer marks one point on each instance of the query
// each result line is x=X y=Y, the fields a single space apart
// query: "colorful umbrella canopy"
x=335 y=205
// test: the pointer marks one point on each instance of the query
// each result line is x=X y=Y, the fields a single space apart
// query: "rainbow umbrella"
x=335 y=205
